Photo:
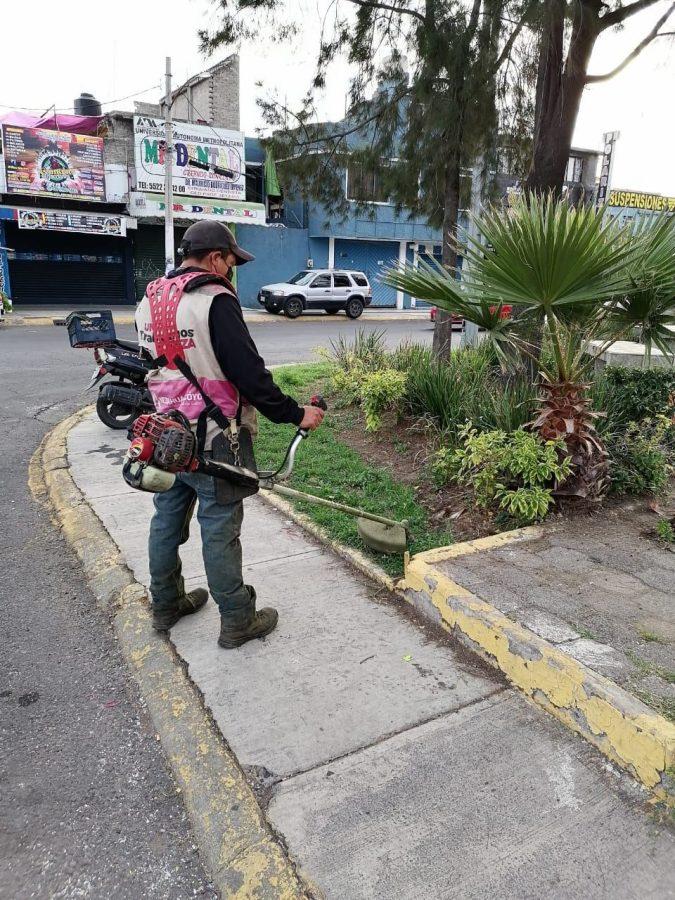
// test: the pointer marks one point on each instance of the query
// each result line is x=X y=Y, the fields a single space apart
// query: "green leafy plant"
x=630 y=395
x=570 y=276
x=381 y=391
x=665 y=532
x=641 y=460
x=367 y=350
x=409 y=356
x=346 y=383
x=449 y=392
x=516 y=471
x=6 y=301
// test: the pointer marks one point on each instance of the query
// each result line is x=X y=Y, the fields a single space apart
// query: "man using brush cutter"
x=209 y=371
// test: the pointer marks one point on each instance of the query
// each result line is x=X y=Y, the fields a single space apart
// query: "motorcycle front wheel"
x=115 y=415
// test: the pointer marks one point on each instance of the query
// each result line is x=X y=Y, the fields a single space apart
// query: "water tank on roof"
x=87 y=105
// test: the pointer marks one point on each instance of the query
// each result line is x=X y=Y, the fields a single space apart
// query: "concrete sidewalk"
x=392 y=764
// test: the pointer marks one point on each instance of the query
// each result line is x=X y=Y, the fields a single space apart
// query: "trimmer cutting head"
x=383 y=538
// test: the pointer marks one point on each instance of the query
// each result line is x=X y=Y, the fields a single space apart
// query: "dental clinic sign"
x=200 y=144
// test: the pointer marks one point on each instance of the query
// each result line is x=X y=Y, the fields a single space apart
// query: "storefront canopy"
x=58 y=122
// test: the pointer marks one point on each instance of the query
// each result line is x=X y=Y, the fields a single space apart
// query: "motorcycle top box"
x=91 y=328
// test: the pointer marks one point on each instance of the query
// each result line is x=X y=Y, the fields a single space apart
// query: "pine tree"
x=423 y=104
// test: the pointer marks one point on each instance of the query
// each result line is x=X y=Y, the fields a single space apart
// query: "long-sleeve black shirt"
x=241 y=363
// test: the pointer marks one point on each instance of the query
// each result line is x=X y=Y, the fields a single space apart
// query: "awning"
x=191 y=209
x=55 y=122
x=272 y=188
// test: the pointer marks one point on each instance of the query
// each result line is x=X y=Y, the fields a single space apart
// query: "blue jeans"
x=221 y=548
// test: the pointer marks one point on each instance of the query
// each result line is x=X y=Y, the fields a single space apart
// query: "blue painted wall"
x=279 y=253
x=384 y=224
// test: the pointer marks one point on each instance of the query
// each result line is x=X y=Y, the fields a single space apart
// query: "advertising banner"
x=198 y=149
x=62 y=220
x=642 y=201
x=193 y=209
x=48 y=163
x=609 y=141
x=3 y=183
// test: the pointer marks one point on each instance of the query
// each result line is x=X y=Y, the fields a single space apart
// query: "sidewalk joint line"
x=498 y=691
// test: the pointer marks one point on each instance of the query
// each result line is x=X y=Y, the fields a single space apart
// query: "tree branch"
x=620 y=15
x=654 y=33
x=508 y=46
x=372 y=4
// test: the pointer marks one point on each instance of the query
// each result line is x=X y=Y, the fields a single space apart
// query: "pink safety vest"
x=174 y=322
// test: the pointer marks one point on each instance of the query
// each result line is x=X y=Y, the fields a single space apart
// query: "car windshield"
x=300 y=278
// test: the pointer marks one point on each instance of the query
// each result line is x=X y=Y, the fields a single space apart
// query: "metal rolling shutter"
x=369 y=257
x=149 y=254
x=59 y=267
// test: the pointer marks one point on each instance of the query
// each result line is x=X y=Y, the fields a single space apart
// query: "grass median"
x=327 y=467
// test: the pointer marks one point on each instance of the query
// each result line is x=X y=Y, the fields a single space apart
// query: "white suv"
x=327 y=289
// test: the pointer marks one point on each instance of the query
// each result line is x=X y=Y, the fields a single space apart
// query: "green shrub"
x=449 y=392
x=5 y=301
x=409 y=356
x=507 y=406
x=631 y=395
x=346 y=383
x=367 y=349
x=665 y=531
x=641 y=459
x=381 y=391
x=517 y=471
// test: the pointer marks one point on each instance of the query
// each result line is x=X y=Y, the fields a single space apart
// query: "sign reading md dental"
x=193 y=144
x=192 y=209
x=48 y=163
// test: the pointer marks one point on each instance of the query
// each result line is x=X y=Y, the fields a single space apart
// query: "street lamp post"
x=168 y=176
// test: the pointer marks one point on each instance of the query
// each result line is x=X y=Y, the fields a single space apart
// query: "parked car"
x=327 y=289
x=459 y=320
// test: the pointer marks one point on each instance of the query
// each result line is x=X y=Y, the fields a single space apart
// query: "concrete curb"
x=238 y=847
x=14 y=320
x=626 y=730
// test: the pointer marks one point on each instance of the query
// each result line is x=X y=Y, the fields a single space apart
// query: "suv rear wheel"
x=293 y=307
x=354 y=307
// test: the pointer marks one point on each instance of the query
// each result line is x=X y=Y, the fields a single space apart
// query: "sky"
x=122 y=52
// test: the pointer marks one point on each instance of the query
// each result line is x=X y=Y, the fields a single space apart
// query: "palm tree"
x=570 y=275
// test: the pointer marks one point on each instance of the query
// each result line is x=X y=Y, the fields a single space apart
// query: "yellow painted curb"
x=236 y=843
x=626 y=730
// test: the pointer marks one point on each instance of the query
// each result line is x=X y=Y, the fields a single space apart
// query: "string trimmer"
x=164 y=444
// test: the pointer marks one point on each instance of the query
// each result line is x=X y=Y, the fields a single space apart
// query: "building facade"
x=82 y=203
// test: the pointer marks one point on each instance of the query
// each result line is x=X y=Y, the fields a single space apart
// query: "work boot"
x=166 y=617
x=259 y=625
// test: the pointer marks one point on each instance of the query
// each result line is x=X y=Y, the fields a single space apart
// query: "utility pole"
x=470 y=334
x=168 y=175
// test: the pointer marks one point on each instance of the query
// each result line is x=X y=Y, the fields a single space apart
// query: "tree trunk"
x=442 y=344
x=560 y=85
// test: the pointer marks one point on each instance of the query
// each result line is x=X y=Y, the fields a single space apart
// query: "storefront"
x=67 y=257
x=67 y=237
x=148 y=240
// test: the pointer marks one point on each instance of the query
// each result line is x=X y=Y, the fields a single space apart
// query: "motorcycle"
x=120 y=402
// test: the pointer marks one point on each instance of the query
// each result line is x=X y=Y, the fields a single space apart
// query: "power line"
x=67 y=109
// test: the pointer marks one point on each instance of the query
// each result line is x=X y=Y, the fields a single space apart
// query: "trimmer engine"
x=166 y=440
x=161 y=445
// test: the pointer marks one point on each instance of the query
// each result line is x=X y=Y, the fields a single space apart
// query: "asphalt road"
x=87 y=807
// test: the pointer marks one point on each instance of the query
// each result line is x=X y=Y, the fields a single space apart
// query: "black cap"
x=209 y=235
